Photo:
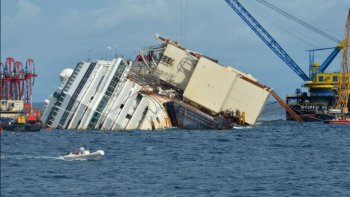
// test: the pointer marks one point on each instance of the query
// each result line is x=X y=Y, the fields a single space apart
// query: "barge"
x=15 y=117
x=16 y=83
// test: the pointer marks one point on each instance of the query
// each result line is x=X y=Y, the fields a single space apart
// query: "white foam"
x=30 y=157
x=242 y=127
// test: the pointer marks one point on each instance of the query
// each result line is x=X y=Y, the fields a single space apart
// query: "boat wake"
x=79 y=159
x=242 y=127
x=18 y=157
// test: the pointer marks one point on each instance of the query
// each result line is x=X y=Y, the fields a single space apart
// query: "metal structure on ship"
x=16 y=81
x=328 y=92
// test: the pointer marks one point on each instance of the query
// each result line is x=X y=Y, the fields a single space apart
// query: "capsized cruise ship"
x=166 y=86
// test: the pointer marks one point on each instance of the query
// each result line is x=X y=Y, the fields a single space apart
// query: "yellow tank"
x=21 y=119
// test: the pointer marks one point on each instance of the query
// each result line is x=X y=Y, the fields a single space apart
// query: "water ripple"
x=273 y=158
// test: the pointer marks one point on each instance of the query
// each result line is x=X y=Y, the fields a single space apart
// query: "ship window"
x=167 y=60
x=320 y=78
x=335 y=78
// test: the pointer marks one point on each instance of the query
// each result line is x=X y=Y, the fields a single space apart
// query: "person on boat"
x=82 y=150
x=75 y=152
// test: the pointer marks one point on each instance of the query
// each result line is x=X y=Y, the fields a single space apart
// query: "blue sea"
x=273 y=158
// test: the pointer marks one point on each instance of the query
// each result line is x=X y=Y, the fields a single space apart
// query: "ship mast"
x=344 y=82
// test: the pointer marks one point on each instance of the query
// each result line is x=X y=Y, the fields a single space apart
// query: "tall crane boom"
x=266 y=37
x=344 y=83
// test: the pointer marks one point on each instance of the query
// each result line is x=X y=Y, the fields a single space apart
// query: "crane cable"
x=183 y=22
x=295 y=32
x=301 y=22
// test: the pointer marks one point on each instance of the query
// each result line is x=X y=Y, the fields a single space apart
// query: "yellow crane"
x=344 y=82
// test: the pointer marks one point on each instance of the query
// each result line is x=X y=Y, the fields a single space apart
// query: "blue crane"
x=266 y=37
x=275 y=47
x=326 y=63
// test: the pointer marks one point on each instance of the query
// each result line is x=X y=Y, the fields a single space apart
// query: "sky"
x=59 y=34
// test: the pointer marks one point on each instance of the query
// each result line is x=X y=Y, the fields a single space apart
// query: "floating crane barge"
x=328 y=92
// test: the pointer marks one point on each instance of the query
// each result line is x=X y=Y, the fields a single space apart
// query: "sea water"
x=273 y=158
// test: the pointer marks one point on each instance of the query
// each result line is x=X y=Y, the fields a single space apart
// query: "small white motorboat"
x=84 y=155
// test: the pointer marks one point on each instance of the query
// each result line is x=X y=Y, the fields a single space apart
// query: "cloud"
x=114 y=14
x=19 y=22
x=26 y=11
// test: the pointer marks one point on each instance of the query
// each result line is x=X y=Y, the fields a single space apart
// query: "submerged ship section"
x=165 y=86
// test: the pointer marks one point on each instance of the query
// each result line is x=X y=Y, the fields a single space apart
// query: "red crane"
x=2 y=81
x=9 y=64
x=17 y=83
x=29 y=76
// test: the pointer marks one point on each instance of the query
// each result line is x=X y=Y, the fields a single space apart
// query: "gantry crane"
x=16 y=83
